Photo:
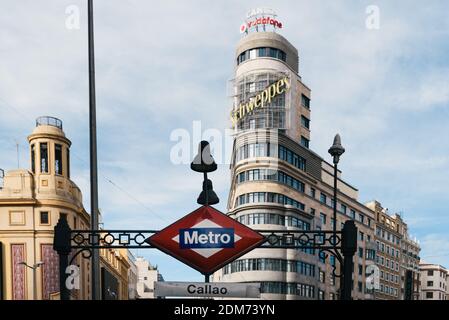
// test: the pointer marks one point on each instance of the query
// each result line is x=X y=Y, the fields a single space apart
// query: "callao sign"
x=206 y=239
x=260 y=17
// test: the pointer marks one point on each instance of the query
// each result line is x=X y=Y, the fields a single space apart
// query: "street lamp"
x=336 y=151
x=349 y=232
x=34 y=267
x=204 y=162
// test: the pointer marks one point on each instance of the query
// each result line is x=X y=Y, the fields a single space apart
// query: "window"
x=44 y=217
x=360 y=269
x=260 y=53
x=305 y=101
x=361 y=236
x=252 y=124
x=352 y=214
x=361 y=218
x=33 y=159
x=343 y=208
x=320 y=295
x=322 y=277
x=429 y=295
x=68 y=162
x=312 y=192
x=58 y=159
x=286 y=154
x=430 y=283
x=257 y=197
x=44 y=157
x=430 y=272
x=323 y=218
x=323 y=198
x=305 y=142
x=305 y=122
x=361 y=252
x=360 y=286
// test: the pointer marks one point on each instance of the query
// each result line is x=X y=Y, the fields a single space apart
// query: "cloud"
x=435 y=249
x=162 y=65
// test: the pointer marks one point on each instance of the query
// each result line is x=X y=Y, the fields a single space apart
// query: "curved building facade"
x=278 y=183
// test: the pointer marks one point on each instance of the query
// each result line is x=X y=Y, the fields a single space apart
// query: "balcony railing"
x=49 y=121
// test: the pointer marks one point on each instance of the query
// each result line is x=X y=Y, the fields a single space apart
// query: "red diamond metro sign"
x=206 y=239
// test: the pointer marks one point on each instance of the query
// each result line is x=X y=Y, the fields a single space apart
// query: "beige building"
x=397 y=256
x=388 y=258
x=31 y=202
x=279 y=183
x=410 y=274
x=434 y=282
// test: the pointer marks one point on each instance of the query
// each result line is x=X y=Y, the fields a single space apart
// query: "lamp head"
x=337 y=149
x=212 y=197
x=203 y=161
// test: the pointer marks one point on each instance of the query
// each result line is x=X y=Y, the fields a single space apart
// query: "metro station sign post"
x=206 y=240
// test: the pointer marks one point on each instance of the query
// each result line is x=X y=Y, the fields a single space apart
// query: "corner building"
x=31 y=203
x=279 y=183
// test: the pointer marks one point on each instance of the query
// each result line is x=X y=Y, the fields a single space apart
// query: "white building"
x=434 y=281
x=147 y=275
x=133 y=277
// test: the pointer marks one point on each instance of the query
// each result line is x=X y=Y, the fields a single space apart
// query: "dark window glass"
x=44 y=157
x=58 y=159
x=305 y=122
x=68 y=162
x=305 y=101
x=44 y=217
x=304 y=142
x=33 y=159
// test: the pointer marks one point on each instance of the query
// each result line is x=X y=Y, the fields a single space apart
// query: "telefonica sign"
x=260 y=18
x=261 y=99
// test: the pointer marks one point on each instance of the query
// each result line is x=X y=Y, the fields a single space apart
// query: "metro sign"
x=206 y=239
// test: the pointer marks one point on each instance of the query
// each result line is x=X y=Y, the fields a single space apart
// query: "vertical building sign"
x=18 y=271
x=50 y=271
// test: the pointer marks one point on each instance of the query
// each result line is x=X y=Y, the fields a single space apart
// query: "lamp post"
x=336 y=150
x=204 y=162
x=33 y=267
x=95 y=266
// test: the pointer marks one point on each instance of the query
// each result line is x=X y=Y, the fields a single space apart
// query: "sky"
x=163 y=68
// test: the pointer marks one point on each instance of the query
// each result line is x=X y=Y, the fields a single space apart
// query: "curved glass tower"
x=278 y=183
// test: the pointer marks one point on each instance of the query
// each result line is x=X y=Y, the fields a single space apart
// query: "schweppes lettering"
x=261 y=99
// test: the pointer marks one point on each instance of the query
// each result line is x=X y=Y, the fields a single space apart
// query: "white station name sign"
x=202 y=289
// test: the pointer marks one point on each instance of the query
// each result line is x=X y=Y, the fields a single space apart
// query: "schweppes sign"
x=261 y=99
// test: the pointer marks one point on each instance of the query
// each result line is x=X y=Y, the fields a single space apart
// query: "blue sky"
x=162 y=66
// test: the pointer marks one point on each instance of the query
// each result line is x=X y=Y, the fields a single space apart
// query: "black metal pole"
x=61 y=244
x=334 y=227
x=95 y=263
x=349 y=248
x=205 y=188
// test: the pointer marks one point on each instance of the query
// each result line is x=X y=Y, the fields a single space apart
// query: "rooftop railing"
x=49 y=121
